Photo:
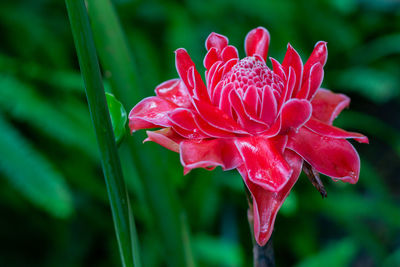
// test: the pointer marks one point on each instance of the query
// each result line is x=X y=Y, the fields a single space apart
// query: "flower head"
x=263 y=122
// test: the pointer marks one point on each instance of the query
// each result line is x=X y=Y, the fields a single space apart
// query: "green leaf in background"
x=217 y=252
x=32 y=174
x=118 y=117
x=335 y=255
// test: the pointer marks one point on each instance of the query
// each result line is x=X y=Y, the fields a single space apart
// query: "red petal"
x=210 y=130
x=229 y=52
x=264 y=162
x=292 y=59
x=216 y=40
x=250 y=100
x=334 y=132
x=295 y=113
x=333 y=157
x=183 y=63
x=278 y=69
x=175 y=91
x=312 y=83
x=318 y=55
x=247 y=122
x=327 y=105
x=165 y=137
x=200 y=89
x=289 y=86
x=150 y=111
x=269 y=107
x=206 y=153
x=266 y=204
x=211 y=57
x=257 y=42
x=217 y=118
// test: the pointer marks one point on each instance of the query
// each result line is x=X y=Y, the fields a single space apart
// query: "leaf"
x=334 y=255
x=376 y=85
x=118 y=117
x=26 y=105
x=32 y=174
x=217 y=252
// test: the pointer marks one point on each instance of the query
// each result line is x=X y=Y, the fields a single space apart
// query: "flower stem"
x=116 y=188
x=263 y=256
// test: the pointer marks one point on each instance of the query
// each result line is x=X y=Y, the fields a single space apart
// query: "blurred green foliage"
x=53 y=200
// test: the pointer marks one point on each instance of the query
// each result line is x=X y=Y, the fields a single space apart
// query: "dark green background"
x=53 y=202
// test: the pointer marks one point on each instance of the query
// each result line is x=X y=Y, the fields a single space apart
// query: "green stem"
x=117 y=193
x=117 y=60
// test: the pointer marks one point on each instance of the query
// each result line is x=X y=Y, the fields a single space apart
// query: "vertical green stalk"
x=119 y=200
x=117 y=60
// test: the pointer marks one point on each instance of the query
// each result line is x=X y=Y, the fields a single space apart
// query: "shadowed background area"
x=53 y=202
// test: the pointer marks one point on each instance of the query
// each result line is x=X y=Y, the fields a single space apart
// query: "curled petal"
x=334 y=132
x=333 y=157
x=200 y=90
x=278 y=69
x=250 y=124
x=264 y=162
x=295 y=113
x=216 y=40
x=251 y=100
x=165 y=137
x=257 y=42
x=312 y=83
x=318 y=55
x=328 y=105
x=289 y=87
x=229 y=52
x=292 y=59
x=151 y=112
x=269 y=107
x=218 y=118
x=174 y=90
x=209 y=153
x=211 y=57
x=266 y=204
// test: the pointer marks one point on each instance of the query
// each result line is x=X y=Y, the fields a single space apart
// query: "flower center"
x=251 y=71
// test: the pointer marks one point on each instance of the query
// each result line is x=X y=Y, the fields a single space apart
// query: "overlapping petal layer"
x=246 y=116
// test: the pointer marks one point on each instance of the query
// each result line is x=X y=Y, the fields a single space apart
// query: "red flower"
x=246 y=116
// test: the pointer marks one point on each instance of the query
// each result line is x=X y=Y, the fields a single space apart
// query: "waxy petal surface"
x=264 y=162
x=206 y=153
x=328 y=105
x=150 y=111
x=257 y=42
x=334 y=132
x=333 y=157
x=266 y=203
x=174 y=91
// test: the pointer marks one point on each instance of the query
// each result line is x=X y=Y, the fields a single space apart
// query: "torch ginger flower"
x=245 y=116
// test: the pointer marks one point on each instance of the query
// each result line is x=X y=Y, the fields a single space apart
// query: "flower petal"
x=211 y=57
x=217 y=117
x=278 y=69
x=327 y=130
x=189 y=75
x=250 y=124
x=264 y=162
x=229 y=52
x=318 y=55
x=327 y=105
x=266 y=204
x=151 y=112
x=295 y=113
x=257 y=42
x=312 y=83
x=206 y=153
x=165 y=137
x=216 y=40
x=175 y=91
x=269 y=107
x=333 y=157
x=292 y=59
